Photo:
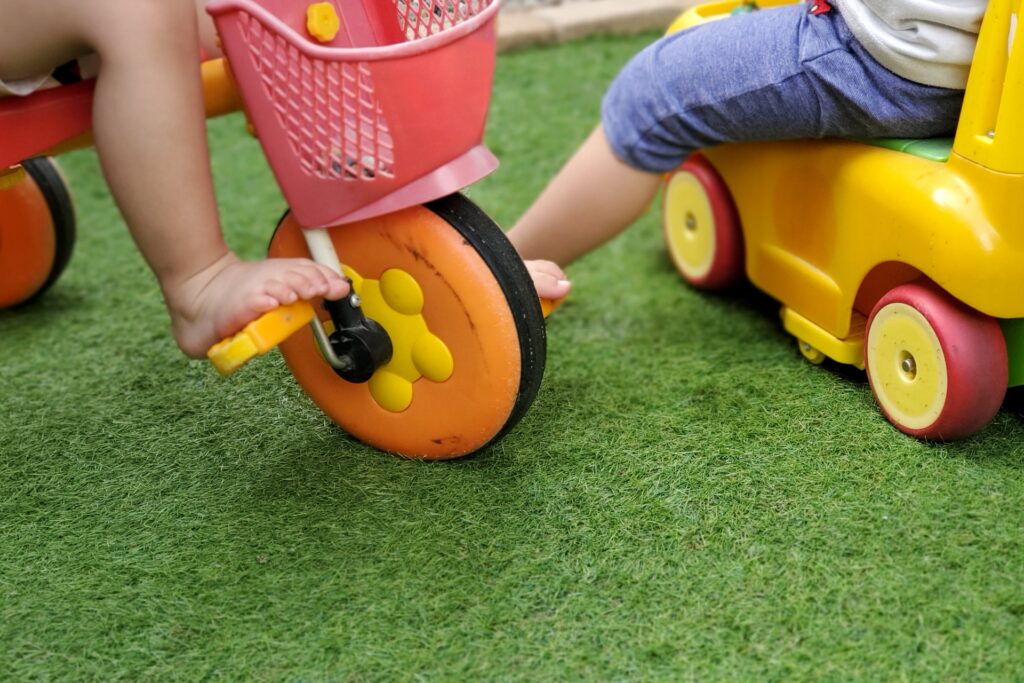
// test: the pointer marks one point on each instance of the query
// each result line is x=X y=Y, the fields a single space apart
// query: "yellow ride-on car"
x=903 y=257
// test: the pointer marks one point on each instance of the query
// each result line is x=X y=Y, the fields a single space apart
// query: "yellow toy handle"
x=259 y=336
x=990 y=132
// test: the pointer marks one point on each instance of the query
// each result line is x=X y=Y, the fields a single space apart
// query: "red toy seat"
x=31 y=125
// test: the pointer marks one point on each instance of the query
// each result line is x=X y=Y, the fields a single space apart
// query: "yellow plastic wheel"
x=938 y=368
x=813 y=355
x=464 y=320
x=701 y=226
x=908 y=366
x=37 y=231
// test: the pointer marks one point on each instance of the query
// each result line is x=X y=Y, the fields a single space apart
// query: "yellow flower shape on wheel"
x=395 y=301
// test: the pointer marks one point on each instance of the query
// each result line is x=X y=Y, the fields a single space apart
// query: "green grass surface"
x=687 y=499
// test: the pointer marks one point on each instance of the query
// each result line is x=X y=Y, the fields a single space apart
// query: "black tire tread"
x=48 y=179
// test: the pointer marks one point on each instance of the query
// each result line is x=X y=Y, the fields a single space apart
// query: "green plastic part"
x=1013 y=330
x=933 y=149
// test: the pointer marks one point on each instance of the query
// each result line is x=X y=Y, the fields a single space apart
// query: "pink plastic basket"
x=389 y=114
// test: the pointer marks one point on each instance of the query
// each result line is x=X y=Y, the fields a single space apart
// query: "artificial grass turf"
x=687 y=499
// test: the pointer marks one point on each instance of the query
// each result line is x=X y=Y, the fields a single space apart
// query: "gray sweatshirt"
x=927 y=41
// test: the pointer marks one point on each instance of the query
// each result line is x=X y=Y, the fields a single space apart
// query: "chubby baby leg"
x=150 y=136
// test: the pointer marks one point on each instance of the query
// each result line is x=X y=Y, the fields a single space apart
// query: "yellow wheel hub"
x=690 y=225
x=812 y=354
x=396 y=302
x=907 y=366
x=322 y=21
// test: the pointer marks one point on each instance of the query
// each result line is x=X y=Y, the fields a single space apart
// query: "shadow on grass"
x=1014 y=403
x=996 y=445
x=49 y=306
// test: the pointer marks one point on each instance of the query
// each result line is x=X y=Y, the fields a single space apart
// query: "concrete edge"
x=528 y=27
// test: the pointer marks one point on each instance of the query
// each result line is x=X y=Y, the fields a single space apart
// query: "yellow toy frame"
x=833 y=229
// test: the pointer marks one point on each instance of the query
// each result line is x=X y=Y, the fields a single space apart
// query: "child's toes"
x=337 y=286
x=262 y=302
x=550 y=286
x=280 y=290
x=317 y=282
x=548 y=267
x=318 y=285
x=329 y=284
x=310 y=289
x=299 y=283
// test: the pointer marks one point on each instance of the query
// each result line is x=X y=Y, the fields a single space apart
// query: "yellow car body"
x=830 y=226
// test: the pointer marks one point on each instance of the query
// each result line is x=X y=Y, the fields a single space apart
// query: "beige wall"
x=522 y=26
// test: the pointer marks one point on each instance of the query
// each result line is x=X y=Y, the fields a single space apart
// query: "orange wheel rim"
x=28 y=243
x=465 y=308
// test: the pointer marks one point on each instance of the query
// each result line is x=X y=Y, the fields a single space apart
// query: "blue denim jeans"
x=773 y=74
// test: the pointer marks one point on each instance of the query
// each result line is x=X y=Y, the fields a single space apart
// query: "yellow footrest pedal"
x=259 y=336
x=548 y=306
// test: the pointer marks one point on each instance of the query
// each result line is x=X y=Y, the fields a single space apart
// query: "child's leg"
x=150 y=136
x=592 y=199
x=207 y=32
x=769 y=75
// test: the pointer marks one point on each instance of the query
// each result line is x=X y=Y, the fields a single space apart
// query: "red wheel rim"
x=971 y=353
x=698 y=203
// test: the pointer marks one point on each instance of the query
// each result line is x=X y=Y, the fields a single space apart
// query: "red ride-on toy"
x=371 y=115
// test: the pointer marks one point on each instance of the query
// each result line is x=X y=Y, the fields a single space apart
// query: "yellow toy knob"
x=322 y=21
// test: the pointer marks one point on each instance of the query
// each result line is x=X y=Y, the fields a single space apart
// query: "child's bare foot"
x=549 y=280
x=229 y=294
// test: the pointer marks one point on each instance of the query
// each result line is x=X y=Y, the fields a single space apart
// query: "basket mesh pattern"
x=422 y=18
x=327 y=109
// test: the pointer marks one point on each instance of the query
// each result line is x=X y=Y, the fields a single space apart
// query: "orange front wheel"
x=464 y=322
x=37 y=230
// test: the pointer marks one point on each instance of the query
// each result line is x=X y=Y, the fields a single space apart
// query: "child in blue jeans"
x=845 y=68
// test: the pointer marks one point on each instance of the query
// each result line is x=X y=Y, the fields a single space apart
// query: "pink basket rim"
x=361 y=54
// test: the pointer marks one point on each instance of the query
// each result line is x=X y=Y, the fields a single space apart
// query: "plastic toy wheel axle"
x=358 y=346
